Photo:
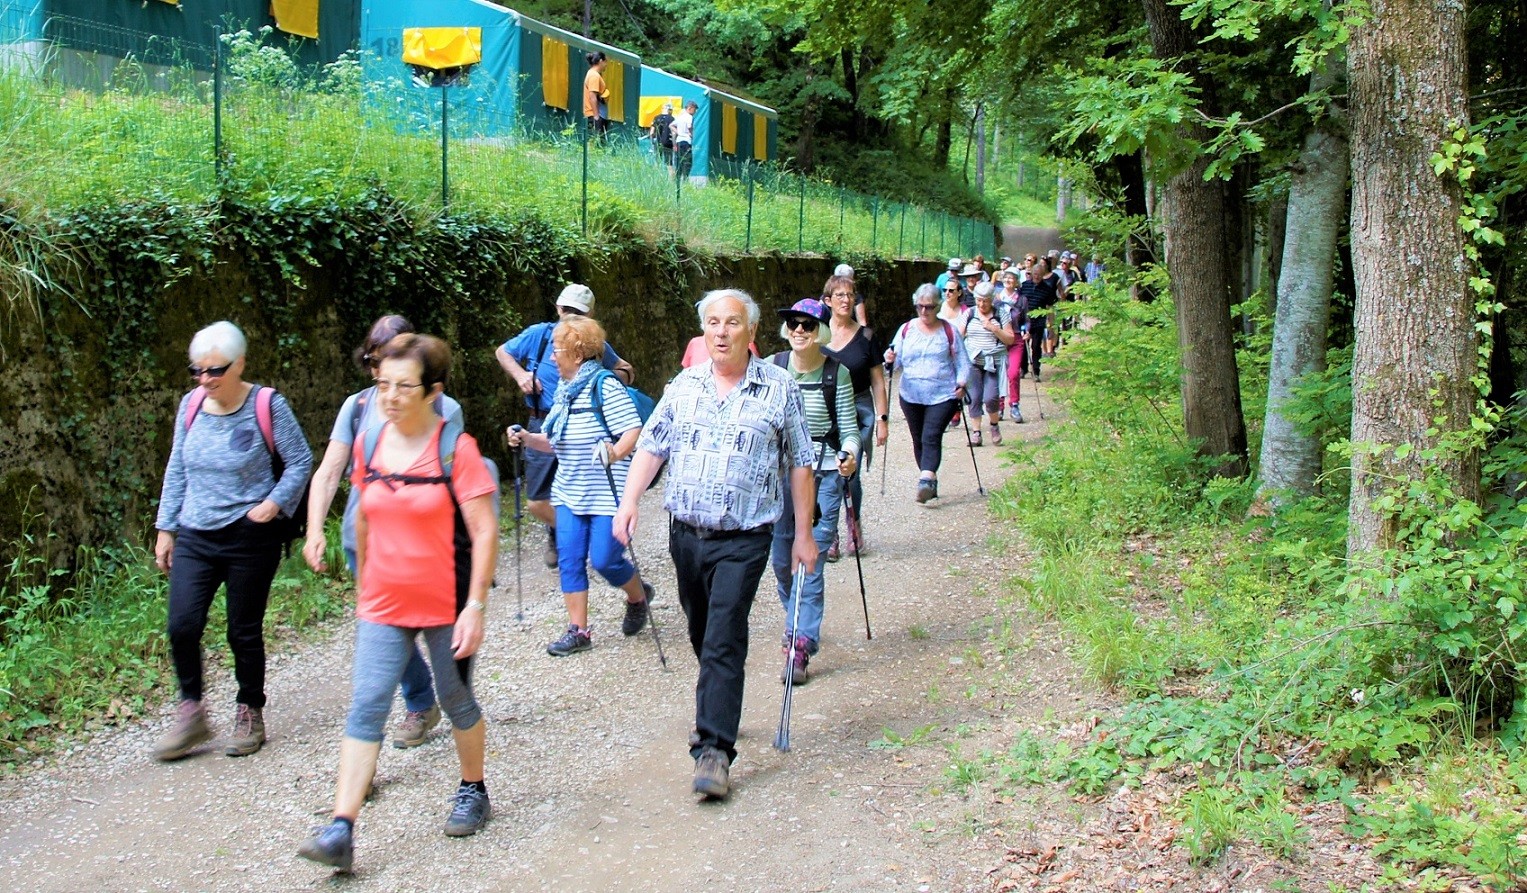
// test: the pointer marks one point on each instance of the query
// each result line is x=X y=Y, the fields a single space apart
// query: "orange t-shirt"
x=410 y=576
x=594 y=89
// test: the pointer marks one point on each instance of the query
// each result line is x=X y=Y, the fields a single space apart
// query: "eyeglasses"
x=383 y=386
x=211 y=371
x=926 y=306
x=805 y=324
x=842 y=294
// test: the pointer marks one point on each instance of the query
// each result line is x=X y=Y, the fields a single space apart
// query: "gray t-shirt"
x=346 y=429
x=221 y=468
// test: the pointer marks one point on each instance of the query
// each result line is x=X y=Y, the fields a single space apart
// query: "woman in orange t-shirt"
x=596 y=96
x=419 y=576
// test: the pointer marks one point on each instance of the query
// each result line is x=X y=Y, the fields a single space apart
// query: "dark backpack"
x=829 y=392
x=644 y=407
x=290 y=527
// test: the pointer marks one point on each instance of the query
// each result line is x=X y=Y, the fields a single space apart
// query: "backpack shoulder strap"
x=368 y=445
x=198 y=397
x=781 y=359
x=596 y=399
x=263 y=418
x=362 y=400
x=830 y=394
x=449 y=434
x=949 y=335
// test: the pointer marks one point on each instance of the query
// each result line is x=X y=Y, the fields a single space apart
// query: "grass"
x=339 y=137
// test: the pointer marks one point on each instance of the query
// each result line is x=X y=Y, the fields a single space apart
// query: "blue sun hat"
x=806 y=307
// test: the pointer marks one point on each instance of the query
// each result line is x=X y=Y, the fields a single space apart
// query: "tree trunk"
x=1131 y=172
x=943 y=139
x=1415 y=347
x=1193 y=218
x=981 y=148
x=1291 y=459
x=1277 y=228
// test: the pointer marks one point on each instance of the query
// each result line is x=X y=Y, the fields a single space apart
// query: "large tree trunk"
x=1193 y=217
x=1290 y=461
x=1415 y=349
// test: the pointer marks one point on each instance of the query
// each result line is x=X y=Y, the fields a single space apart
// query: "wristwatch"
x=885 y=418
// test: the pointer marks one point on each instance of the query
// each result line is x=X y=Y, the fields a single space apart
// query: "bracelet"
x=477 y=603
x=885 y=418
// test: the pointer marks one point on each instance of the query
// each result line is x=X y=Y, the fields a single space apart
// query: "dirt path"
x=1020 y=240
x=588 y=767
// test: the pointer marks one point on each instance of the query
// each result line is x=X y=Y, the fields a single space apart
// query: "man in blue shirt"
x=527 y=360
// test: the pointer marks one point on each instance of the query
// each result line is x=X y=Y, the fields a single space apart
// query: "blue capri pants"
x=589 y=539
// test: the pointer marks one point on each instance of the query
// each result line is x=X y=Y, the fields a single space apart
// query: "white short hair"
x=718 y=294
x=221 y=337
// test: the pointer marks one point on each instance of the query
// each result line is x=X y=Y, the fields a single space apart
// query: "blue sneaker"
x=333 y=844
x=470 y=811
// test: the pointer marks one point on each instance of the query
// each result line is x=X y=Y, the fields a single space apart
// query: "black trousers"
x=1037 y=326
x=927 y=424
x=717 y=581
x=243 y=555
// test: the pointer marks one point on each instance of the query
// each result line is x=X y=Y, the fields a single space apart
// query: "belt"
x=707 y=533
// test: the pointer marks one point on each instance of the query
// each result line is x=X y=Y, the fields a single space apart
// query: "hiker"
x=827 y=390
x=593 y=425
x=935 y=370
x=360 y=412
x=861 y=313
x=987 y=333
x=1039 y=295
x=527 y=360
x=238 y=465
x=730 y=429
x=855 y=346
x=422 y=482
x=596 y=97
x=1010 y=302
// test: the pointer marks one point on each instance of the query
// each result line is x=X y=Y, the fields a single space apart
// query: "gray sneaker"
x=712 y=773
x=189 y=732
x=571 y=642
x=333 y=844
x=415 y=727
x=248 y=732
x=470 y=811
x=637 y=612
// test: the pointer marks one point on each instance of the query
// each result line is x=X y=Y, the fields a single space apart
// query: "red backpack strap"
x=263 y=396
x=198 y=397
x=949 y=335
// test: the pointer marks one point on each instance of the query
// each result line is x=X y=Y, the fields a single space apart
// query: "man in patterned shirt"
x=730 y=429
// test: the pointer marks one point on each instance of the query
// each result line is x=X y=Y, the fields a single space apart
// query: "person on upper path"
x=935 y=371
x=827 y=391
x=361 y=412
x=527 y=360
x=596 y=97
x=661 y=134
x=855 y=346
x=218 y=506
x=730 y=429
x=683 y=128
x=590 y=432
x=426 y=546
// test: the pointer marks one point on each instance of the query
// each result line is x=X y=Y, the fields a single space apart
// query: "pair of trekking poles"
x=519 y=517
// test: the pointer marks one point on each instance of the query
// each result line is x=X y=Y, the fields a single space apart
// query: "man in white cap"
x=527 y=360
x=953 y=272
x=846 y=272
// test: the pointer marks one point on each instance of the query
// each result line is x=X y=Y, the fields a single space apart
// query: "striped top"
x=817 y=418
x=980 y=345
x=581 y=483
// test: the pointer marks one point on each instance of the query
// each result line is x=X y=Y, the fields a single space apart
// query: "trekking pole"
x=853 y=523
x=782 y=737
x=971 y=444
x=1038 y=398
x=885 y=454
x=651 y=616
x=516 y=453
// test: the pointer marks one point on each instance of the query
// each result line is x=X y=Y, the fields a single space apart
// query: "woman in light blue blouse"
x=218 y=524
x=592 y=427
x=934 y=372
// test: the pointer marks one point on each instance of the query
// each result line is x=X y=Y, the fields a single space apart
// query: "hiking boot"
x=975 y=437
x=833 y=552
x=927 y=489
x=551 y=547
x=855 y=536
x=470 y=811
x=415 y=727
x=333 y=844
x=996 y=436
x=637 y=612
x=248 y=732
x=190 y=731
x=799 y=660
x=712 y=773
x=572 y=642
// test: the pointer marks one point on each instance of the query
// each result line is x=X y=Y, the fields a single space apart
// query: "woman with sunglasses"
x=420 y=578
x=359 y=413
x=835 y=436
x=220 y=495
x=934 y=373
x=854 y=345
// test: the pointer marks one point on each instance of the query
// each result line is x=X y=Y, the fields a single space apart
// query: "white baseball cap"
x=843 y=270
x=578 y=297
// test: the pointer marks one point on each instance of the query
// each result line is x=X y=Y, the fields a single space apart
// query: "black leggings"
x=927 y=424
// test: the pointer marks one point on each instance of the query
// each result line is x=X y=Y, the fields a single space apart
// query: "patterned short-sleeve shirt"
x=726 y=455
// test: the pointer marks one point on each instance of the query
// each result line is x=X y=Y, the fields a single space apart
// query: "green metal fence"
x=104 y=114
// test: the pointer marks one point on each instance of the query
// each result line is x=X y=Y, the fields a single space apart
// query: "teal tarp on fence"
x=533 y=100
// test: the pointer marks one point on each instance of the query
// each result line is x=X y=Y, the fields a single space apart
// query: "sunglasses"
x=951 y=291
x=926 y=306
x=803 y=323
x=214 y=371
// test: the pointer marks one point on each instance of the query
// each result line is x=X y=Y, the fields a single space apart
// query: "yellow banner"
x=652 y=106
x=554 y=72
x=615 y=82
x=439 y=48
x=760 y=137
x=728 y=128
x=299 y=17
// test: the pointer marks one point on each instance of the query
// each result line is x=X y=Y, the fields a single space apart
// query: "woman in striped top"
x=835 y=434
x=593 y=442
